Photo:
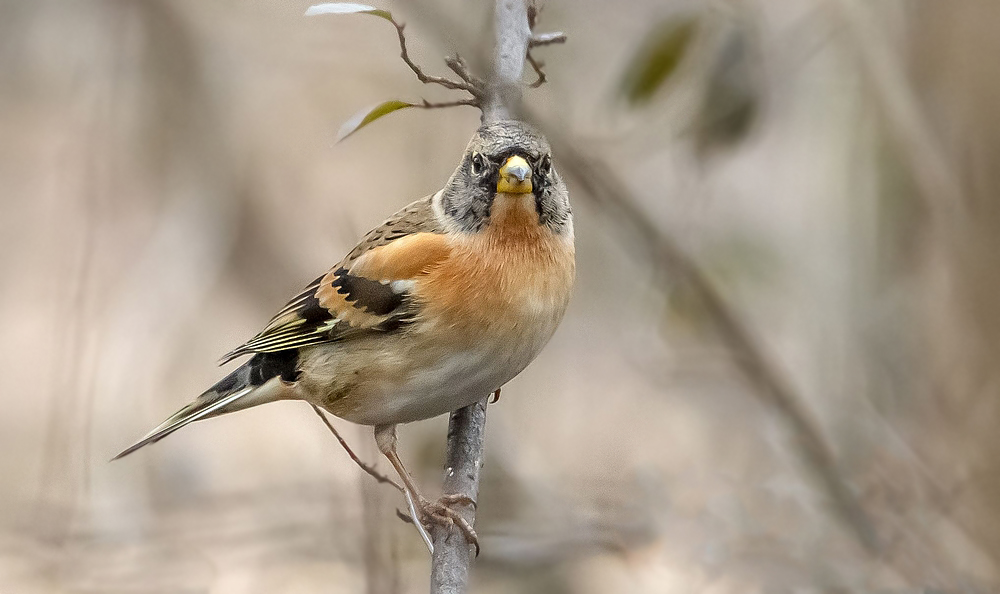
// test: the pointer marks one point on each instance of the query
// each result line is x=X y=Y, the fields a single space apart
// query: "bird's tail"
x=245 y=387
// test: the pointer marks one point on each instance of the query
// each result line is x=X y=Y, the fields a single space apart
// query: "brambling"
x=435 y=309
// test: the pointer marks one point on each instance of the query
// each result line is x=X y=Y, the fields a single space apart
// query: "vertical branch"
x=513 y=36
x=467 y=426
x=464 y=460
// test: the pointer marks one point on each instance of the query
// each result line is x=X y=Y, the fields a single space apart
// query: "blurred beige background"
x=168 y=178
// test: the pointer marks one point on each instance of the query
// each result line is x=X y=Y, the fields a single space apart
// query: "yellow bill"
x=515 y=176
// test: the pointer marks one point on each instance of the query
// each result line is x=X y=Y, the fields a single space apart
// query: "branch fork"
x=496 y=102
x=469 y=83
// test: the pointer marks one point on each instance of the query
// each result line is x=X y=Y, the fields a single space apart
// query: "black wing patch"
x=305 y=322
x=375 y=297
x=311 y=311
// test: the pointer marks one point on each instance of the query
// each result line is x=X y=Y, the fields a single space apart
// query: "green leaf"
x=731 y=101
x=658 y=57
x=347 y=8
x=369 y=115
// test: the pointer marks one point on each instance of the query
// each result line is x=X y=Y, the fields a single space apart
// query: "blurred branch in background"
x=948 y=50
x=610 y=194
x=903 y=117
x=180 y=256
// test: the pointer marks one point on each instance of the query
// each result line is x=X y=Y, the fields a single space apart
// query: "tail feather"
x=257 y=378
x=198 y=409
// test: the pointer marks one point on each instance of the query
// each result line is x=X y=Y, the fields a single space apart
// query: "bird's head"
x=507 y=164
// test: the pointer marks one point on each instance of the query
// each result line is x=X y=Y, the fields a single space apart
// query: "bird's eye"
x=545 y=166
x=478 y=164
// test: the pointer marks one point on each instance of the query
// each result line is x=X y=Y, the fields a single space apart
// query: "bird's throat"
x=511 y=212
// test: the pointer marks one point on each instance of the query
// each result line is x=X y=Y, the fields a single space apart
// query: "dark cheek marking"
x=543 y=199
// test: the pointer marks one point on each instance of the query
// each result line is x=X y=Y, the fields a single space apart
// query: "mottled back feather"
x=366 y=292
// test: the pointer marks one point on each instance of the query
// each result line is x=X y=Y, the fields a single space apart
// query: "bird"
x=434 y=309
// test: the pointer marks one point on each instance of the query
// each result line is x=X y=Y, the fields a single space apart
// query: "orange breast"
x=510 y=277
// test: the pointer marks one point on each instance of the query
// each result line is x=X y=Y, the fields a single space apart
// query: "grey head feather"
x=468 y=196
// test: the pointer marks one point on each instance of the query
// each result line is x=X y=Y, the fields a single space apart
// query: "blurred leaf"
x=347 y=8
x=742 y=259
x=730 y=103
x=369 y=115
x=658 y=57
x=685 y=312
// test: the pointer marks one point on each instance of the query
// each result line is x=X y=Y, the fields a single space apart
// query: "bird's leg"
x=431 y=512
x=369 y=469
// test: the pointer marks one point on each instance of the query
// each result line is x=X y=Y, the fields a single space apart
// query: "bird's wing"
x=368 y=291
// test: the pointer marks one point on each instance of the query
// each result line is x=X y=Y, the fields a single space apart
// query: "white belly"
x=424 y=380
x=457 y=380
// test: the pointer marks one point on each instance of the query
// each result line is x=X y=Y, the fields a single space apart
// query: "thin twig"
x=369 y=469
x=457 y=65
x=425 y=104
x=543 y=39
x=426 y=78
x=404 y=516
x=537 y=66
x=539 y=40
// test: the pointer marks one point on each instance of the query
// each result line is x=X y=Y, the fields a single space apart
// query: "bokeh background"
x=779 y=372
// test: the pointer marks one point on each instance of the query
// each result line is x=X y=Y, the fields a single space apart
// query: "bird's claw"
x=440 y=513
x=458 y=499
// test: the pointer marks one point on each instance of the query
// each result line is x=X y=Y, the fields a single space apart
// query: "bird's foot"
x=457 y=499
x=442 y=513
